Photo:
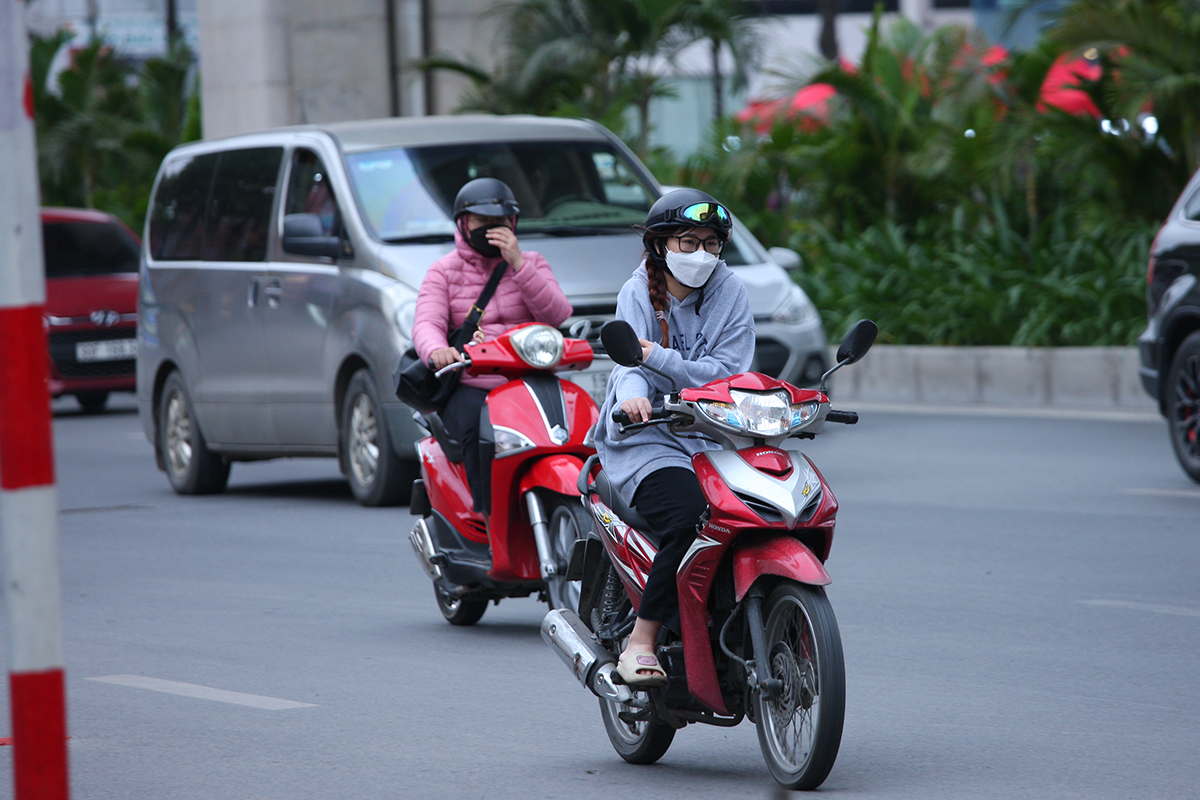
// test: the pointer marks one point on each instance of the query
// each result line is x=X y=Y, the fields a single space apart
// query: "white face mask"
x=692 y=269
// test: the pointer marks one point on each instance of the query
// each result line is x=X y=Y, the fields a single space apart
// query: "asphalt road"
x=1017 y=597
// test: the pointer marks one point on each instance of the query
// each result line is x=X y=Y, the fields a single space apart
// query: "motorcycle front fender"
x=775 y=555
x=557 y=473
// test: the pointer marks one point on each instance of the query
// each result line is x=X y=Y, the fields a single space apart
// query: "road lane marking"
x=1157 y=608
x=1192 y=493
x=202 y=692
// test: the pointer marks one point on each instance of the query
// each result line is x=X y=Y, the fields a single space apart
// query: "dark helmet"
x=689 y=208
x=487 y=197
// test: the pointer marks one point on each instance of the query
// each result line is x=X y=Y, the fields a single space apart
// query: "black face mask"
x=479 y=243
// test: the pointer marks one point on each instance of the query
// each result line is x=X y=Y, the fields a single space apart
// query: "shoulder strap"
x=472 y=321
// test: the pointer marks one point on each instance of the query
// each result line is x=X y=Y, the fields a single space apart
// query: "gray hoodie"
x=715 y=343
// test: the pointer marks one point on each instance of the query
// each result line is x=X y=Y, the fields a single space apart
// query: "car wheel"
x=191 y=467
x=378 y=477
x=92 y=402
x=1183 y=405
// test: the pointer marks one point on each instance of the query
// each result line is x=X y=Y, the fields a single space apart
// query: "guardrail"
x=1060 y=377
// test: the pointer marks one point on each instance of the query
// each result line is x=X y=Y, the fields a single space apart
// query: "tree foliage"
x=104 y=124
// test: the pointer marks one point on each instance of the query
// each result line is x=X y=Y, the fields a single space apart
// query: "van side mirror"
x=621 y=343
x=303 y=235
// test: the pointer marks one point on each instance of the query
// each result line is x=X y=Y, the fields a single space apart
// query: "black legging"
x=670 y=499
x=461 y=419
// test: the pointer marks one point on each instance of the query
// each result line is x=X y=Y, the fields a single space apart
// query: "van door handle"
x=273 y=291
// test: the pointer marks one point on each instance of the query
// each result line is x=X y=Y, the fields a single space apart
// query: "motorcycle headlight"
x=770 y=414
x=538 y=345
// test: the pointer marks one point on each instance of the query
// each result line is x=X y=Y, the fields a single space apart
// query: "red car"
x=91 y=304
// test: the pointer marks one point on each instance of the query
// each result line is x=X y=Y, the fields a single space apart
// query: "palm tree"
x=572 y=57
x=720 y=23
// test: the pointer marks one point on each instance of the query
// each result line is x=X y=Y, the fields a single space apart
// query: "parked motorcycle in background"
x=532 y=439
x=759 y=636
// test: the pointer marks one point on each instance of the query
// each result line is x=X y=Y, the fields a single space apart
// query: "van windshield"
x=562 y=188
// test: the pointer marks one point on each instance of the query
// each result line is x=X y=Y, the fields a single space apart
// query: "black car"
x=1169 y=348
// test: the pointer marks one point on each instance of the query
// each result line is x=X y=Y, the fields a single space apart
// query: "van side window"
x=216 y=206
x=309 y=192
x=177 y=216
x=243 y=194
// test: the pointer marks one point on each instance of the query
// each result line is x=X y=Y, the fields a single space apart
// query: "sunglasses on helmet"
x=703 y=213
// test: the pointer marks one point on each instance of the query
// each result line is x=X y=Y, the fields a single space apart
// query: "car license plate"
x=115 y=350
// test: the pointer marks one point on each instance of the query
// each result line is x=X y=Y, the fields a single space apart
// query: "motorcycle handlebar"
x=844 y=417
x=657 y=414
x=451 y=367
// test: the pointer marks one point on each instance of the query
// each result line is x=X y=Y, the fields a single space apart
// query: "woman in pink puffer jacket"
x=485 y=216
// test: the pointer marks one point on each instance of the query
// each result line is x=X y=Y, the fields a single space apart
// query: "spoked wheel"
x=637 y=741
x=463 y=611
x=1183 y=405
x=568 y=521
x=800 y=726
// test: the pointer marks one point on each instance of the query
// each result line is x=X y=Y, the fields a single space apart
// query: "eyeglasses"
x=702 y=213
x=690 y=244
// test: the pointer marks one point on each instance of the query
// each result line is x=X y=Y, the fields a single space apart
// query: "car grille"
x=62 y=352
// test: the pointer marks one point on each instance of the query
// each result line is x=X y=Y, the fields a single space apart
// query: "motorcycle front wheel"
x=641 y=742
x=800 y=726
x=569 y=521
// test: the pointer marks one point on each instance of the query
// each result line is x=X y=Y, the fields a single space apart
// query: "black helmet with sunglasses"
x=689 y=208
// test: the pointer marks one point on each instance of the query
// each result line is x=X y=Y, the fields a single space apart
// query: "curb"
x=1101 y=378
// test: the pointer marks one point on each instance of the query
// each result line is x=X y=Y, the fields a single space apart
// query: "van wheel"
x=191 y=467
x=378 y=477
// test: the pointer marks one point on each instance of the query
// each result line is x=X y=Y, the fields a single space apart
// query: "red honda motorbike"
x=759 y=636
x=532 y=441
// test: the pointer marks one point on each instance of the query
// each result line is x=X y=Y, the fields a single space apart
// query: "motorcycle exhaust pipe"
x=593 y=666
x=422 y=543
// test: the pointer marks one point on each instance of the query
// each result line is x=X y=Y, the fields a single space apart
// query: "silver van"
x=280 y=271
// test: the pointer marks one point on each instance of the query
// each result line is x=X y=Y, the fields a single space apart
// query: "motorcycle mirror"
x=857 y=342
x=621 y=343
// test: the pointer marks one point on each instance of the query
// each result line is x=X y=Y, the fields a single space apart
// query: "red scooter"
x=759 y=636
x=532 y=440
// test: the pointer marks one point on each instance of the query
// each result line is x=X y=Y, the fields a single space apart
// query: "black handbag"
x=416 y=383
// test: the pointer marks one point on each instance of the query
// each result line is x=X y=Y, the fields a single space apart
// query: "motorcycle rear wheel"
x=636 y=742
x=463 y=611
x=800 y=728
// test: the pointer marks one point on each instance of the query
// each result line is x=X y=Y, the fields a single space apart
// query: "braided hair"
x=656 y=273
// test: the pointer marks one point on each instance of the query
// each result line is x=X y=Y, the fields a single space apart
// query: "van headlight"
x=761 y=414
x=538 y=345
x=796 y=308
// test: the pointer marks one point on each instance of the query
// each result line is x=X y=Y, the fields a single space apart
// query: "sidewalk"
x=1076 y=378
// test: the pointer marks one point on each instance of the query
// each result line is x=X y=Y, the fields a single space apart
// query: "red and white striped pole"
x=28 y=500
